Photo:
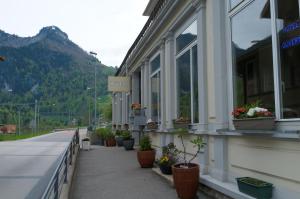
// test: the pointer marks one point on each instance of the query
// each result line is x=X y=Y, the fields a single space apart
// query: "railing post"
x=56 y=186
x=66 y=169
x=71 y=154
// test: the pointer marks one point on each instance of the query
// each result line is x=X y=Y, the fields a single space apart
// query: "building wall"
x=227 y=155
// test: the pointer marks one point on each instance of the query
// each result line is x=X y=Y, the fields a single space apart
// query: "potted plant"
x=86 y=143
x=110 y=139
x=126 y=126
x=186 y=174
x=114 y=126
x=146 y=154
x=253 y=117
x=254 y=187
x=128 y=141
x=101 y=133
x=136 y=108
x=181 y=122
x=151 y=125
x=168 y=158
x=119 y=138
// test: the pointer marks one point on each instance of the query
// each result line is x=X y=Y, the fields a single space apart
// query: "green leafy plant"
x=102 y=132
x=145 y=143
x=198 y=143
x=118 y=133
x=126 y=135
x=169 y=155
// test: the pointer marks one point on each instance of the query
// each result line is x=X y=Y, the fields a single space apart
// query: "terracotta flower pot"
x=186 y=180
x=110 y=142
x=146 y=158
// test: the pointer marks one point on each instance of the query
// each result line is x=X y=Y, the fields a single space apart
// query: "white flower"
x=150 y=120
x=258 y=109
x=251 y=112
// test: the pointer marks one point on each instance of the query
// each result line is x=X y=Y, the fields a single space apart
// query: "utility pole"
x=19 y=122
x=95 y=94
x=35 y=116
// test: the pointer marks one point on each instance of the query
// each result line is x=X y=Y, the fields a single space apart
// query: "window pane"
x=195 y=86
x=184 y=85
x=289 y=37
x=155 y=64
x=185 y=38
x=252 y=55
x=234 y=3
x=155 y=97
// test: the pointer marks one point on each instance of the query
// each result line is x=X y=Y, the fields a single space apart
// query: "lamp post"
x=95 y=94
x=88 y=88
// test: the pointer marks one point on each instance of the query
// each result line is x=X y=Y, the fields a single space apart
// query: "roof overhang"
x=151 y=5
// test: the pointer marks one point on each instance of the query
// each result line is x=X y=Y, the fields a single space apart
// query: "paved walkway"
x=27 y=165
x=113 y=173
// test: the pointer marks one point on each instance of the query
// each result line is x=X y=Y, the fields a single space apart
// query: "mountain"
x=52 y=69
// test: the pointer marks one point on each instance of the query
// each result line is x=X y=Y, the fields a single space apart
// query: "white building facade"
x=201 y=58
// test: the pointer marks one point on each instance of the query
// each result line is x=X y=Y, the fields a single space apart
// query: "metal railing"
x=60 y=174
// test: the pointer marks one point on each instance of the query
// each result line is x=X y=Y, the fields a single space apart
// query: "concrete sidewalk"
x=113 y=173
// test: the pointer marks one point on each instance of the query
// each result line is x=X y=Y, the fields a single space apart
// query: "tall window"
x=253 y=52
x=187 y=74
x=252 y=56
x=155 y=88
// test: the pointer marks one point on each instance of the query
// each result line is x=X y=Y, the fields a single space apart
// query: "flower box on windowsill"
x=255 y=187
x=181 y=124
x=152 y=126
x=259 y=123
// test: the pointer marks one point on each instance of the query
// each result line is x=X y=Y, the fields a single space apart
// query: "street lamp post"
x=89 y=104
x=95 y=93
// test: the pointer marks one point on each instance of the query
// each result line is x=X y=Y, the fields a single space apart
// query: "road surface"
x=26 y=166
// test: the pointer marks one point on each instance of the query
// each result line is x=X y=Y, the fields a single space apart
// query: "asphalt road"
x=26 y=166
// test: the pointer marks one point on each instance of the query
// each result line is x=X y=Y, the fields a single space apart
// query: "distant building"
x=198 y=59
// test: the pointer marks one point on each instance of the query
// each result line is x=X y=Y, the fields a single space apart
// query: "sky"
x=107 y=27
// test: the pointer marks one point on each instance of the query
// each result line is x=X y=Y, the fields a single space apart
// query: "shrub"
x=145 y=143
x=118 y=133
x=126 y=135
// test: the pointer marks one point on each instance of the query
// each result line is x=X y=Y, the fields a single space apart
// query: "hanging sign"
x=119 y=84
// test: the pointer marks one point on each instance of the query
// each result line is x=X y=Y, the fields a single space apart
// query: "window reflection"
x=185 y=38
x=184 y=85
x=252 y=55
x=289 y=43
x=195 y=85
x=155 y=89
x=234 y=3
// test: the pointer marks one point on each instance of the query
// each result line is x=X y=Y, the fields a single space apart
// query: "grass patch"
x=11 y=137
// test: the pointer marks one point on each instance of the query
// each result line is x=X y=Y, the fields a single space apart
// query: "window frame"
x=275 y=56
x=187 y=48
x=152 y=74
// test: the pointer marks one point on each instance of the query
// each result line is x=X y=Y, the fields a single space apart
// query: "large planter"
x=254 y=187
x=119 y=141
x=101 y=141
x=263 y=123
x=186 y=180
x=128 y=144
x=181 y=124
x=146 y=158
x=94 y=138
x=110 y=142
x=165 y=169
x=152 y=126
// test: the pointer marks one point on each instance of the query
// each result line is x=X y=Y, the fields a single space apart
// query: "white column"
x=147 y=96
x=219 y=64
x=135 y=88
x=202 y=70
x=170 y=93
x=123 y=101
x=162 y=87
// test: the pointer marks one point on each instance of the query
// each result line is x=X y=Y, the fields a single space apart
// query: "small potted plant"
x=253 y=117
x=186 y=173
x=181 y=123
x=146 y=154
x=151 y=125
x=114 y=126
x=168 y=158
x=254 y=187
x=110 y=139
x=101 y=133
x=86 y=143
x=136 y=108
x=126 y=126
x=128 y=141
x=119 y=138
